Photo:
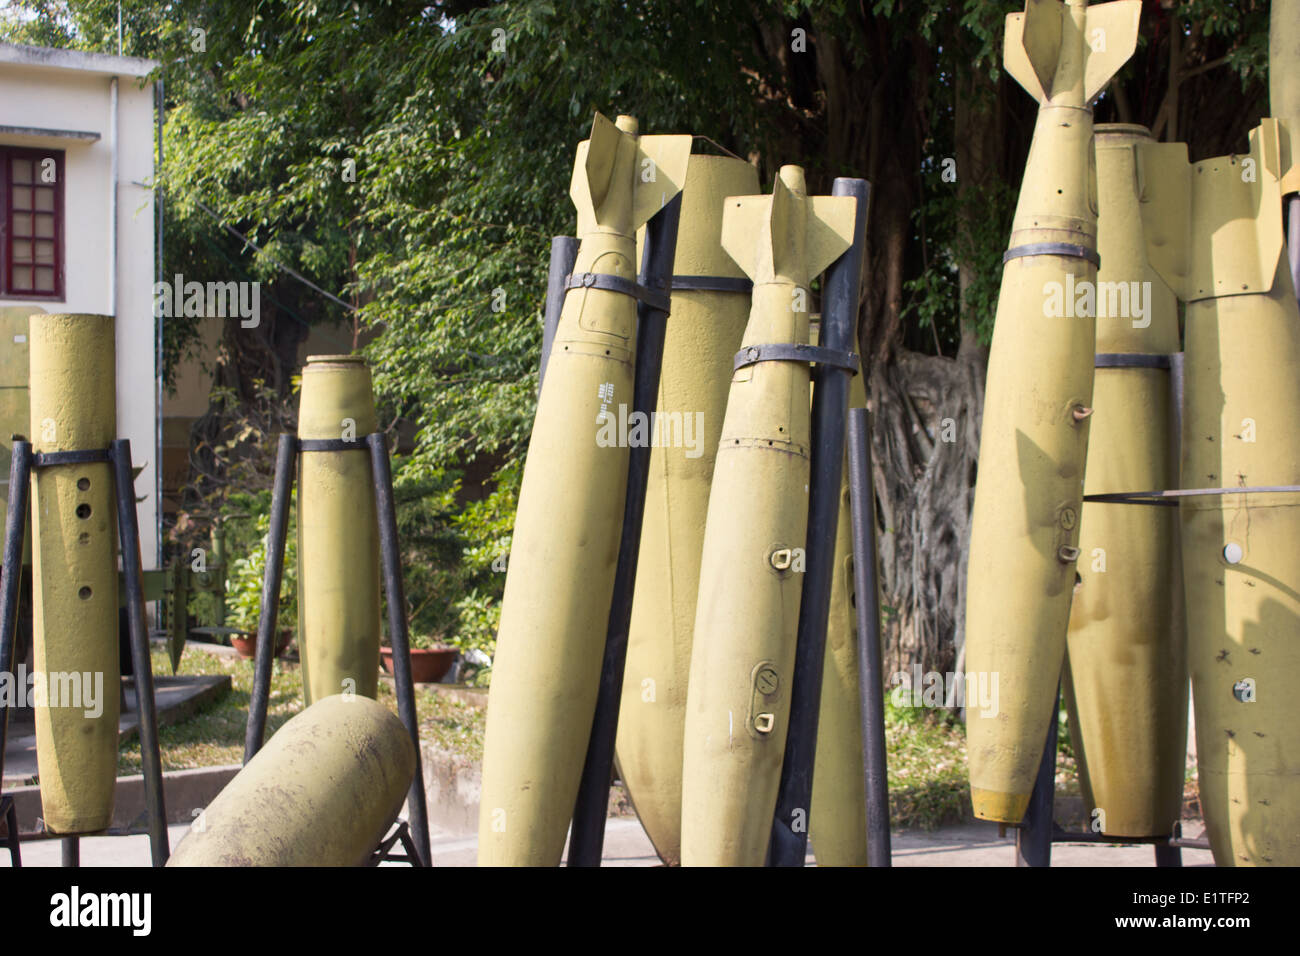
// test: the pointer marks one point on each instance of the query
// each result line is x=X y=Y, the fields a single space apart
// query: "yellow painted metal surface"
x=1242 y=359
x=742 y=657
x=1284 y=86
x=338 y=532
x=1127 y=689
x=1034 y=438
x=703 y=336
x=322 y=792
x=74 y=571
x=560 y=579
x=838 y=827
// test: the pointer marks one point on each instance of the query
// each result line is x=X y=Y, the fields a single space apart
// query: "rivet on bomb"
x=1067 y=553
x=781 y=558
x=764 y=723
x=1244 y=690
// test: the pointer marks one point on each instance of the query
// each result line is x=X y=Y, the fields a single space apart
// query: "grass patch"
x=214 y=736
x=926 y=748
x=928 y=786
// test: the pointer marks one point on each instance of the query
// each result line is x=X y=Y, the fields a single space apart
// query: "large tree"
x=412 y=160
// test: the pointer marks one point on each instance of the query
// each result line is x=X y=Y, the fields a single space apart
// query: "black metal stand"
x=789 y=843
x=15 y=528
x=118 y=456
x=391 y=569
x=384 y=852
x=1035 y=836
x=11 y=825
x=587 y=840
x=564 y=253
x=286 y=458
x=871 y=681
x=1293 y=240
x=399 y=636
x=145 y=705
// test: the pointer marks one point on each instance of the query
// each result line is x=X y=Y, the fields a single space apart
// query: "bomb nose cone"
x=627 y=124
x=792 y=177
x=1107 y=133
x=335 y=360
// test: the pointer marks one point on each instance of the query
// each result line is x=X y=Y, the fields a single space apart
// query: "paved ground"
x=974 y=844
x=177 y=698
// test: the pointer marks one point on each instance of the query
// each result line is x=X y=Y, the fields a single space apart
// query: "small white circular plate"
x=1232 y=553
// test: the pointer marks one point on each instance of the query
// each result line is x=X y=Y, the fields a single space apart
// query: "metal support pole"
x=1168 y=855
x=20 y=467
x=70 y=851
x=1176 y=378
x=11 y=824
x=178 y=633
x=286 y=454
x=1293 y=240
x=1172 y=855
x=218 y=567
x=871 y=693
x=390 y=557
x=146 y=715
x=564 y=253
x=1034 y=836
x=789 y=844
x=587 y=841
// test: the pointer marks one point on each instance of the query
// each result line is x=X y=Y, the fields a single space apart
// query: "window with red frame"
x=31 y=223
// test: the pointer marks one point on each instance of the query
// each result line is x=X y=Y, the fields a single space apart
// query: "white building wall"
x=62 y=90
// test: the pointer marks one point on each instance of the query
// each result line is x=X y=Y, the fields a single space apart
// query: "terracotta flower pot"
x=247 y=646
x=428 y=664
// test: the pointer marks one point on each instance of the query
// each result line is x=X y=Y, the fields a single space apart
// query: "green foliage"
x=247 y=556
x=1064 y=741
x=956 y=228
x=413 y=159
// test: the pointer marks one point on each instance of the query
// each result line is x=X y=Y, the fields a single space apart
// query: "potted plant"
x=430 y=659
x=244 y=591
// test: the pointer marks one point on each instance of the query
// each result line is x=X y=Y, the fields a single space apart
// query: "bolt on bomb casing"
x=742 y=656
x=1214 y=233
x=1040 y=374
x=1126 y=657
x=74 y=571
x=322 y=792
x=338 y=532
x=699 y=349
x=560 y=579
x=838 y=827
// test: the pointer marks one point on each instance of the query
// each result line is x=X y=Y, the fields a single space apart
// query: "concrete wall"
x=42 y=91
